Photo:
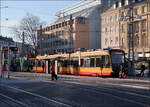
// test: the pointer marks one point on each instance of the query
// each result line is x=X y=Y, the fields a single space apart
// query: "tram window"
x=25 y=63
x=82 y=62
x=86 y=62
x=39 y=63
x=107 y=62
x=98 y=61
x=92 y=62
x=64 y=64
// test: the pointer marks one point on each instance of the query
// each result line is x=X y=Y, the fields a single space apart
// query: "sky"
x=17 y=9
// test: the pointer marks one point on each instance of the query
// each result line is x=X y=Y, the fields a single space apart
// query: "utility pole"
x=70 y=43
x=22 y=43
x=40 y=39
x=8 y=60
x=131 y=43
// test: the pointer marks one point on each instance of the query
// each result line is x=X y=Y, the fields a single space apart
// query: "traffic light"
x=5 y=48
x=11 y=48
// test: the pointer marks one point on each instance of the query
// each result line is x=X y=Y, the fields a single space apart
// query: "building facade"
x=85 y=31
x=4 y=41
x=110 y=28
x=117 y=22
x=141 y=36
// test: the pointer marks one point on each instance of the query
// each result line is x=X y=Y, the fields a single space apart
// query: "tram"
x=93 y=63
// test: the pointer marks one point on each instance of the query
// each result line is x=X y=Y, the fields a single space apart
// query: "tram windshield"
x=117 y=58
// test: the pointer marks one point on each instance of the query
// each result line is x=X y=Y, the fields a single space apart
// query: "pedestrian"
x=53 y=74
x=43 y=67
x=142 y=70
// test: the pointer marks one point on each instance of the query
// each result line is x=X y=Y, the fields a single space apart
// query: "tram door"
x=75 y=64
x=47 y=70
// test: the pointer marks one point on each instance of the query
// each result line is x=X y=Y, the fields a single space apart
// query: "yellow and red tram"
x=93 y=63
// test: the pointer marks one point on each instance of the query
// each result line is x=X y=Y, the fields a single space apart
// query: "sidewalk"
x=22 y=74
x=139 y=78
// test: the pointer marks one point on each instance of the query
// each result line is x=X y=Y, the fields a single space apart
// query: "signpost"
x=8 y=49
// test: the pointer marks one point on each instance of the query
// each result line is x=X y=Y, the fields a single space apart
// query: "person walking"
x=53 y=74
x=142 y=70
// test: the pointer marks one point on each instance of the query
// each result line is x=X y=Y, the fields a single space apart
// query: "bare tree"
x=27 y=30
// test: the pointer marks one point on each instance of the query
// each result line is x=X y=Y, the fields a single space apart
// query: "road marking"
x=16 y=101
x=140 y=87
x=38 y=96
x=124 y=99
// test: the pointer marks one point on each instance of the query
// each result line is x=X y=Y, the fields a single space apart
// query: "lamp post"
x=70 y=43
x=131 y=53
x=41 y=38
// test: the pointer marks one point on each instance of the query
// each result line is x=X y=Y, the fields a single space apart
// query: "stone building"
x=85 y=32
x=5 y=41
x=141 y=35
x=117 y=26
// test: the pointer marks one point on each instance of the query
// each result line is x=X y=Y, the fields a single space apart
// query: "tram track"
x=88 y=87
x=99 y=91
x=29 y=94
x=11 y=102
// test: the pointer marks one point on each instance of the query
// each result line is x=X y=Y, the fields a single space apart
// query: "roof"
x=84 y=13
x=79 y=6
x=93 y=53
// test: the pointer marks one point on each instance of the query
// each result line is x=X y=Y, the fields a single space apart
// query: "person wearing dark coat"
x=142 y=70
x=53 y=75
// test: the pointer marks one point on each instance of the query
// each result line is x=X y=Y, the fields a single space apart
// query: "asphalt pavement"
x=38 y=90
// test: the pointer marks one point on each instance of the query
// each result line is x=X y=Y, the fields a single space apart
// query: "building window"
x=111 y=19
x=136 y=11
x=106 y=41
x=144 y=9
x=123 y=42
x=137 y=27
x=106 y=30
x=143 y=41
x=116 y=17
x=111 y=30
x=53 y=26
x=66 y=23
x=123 y=28
x=111 y=41
x=56 y=26
x=116 y=40
x=137 y=41
x=80 y=20
x=143 y=26
x=105 y=19
x=63 y=24
x=59 y=25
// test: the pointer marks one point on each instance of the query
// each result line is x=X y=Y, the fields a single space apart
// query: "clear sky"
x=17 y=10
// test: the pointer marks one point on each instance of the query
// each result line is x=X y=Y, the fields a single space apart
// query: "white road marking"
x=38 y=96
x=16 y=101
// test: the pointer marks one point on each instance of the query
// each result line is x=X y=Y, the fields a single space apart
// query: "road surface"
x=38 y=90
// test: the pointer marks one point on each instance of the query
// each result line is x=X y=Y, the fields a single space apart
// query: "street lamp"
x=131 y=52
x=70 y=44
